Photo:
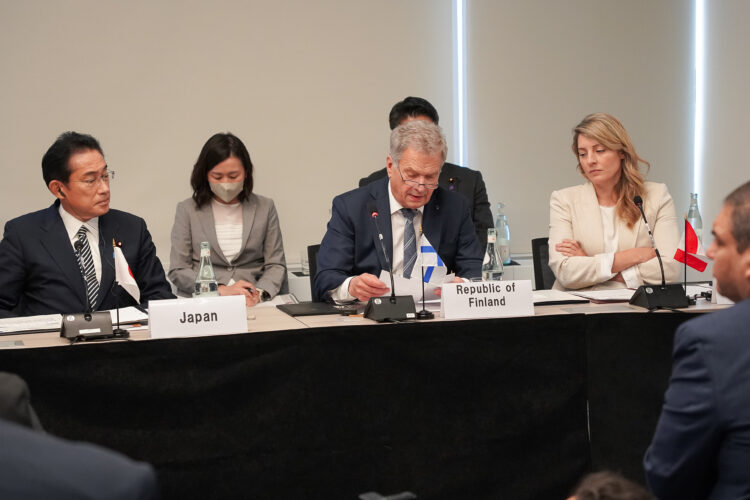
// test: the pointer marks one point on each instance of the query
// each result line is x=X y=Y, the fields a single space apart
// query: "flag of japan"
x=124 y=276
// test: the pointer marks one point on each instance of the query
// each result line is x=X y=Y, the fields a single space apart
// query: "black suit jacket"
x=463 y=180
x=351 y=246
x=40 y=273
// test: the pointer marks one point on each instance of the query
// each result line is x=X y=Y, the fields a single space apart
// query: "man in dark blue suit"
x=60 y=259
x=406 y=204
x=701 y=447
x=34 y=465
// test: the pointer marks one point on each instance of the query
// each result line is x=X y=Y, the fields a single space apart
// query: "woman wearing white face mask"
x=242 y=227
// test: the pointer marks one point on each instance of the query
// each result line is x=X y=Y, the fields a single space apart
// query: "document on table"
x=25 y=324
x=129 y=315
x=614 y=295
x=551 y=297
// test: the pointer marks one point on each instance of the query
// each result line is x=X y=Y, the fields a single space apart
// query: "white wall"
x=308 y=86
x=725 y=158
x=537 y=67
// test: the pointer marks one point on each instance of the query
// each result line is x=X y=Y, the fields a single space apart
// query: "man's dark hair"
x=55 y=161
x=217 y=149
x=608 y=485
x=739 y=200
x=412 y=107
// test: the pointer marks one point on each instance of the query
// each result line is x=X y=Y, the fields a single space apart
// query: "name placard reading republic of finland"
x=196 y=317
x=487 y=299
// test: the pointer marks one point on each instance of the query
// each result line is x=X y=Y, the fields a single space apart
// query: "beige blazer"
x=261 y=260
x=574 y=214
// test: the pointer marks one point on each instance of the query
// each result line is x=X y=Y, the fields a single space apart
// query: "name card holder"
x=487 y=299
x=197 y=317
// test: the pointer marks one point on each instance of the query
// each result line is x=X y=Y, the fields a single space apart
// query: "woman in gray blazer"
x=242 y=227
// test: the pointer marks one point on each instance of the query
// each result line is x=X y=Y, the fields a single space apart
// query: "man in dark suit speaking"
x=60 y=259
x=400 y=208
x=701 y=447
x=462 y=180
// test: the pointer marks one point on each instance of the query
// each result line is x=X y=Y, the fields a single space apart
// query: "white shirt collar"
x=395 y=206
x=72 y=225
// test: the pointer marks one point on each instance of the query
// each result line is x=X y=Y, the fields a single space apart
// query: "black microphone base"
x=395 y=308
x=660 y=297
x=425 y=314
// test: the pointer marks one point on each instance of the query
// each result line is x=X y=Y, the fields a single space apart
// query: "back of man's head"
x=412 y=107
x=55 y=161
x=739 y=201
x=608 y=485
x=419 y=135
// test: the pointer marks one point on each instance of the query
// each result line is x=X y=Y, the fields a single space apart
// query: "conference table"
x=335 y=406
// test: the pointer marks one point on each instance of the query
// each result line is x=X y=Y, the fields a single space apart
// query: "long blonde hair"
x=609 y=132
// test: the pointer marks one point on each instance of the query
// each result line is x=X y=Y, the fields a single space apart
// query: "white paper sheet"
x=128 y=315
x=44 y=322
x=614 y=295
x=413 y=286
x=542 y=297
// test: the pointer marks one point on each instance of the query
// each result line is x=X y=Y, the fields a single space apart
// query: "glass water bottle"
x=492 y=265
x=694 y=216
x=503 y=234
x=205 y=282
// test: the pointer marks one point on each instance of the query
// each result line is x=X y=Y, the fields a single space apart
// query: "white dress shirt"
x=72 y=225
x=398 y=223
x=606 y=259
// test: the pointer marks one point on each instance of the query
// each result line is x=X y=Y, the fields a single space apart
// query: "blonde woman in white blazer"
x=597 y=237
x=242 y=228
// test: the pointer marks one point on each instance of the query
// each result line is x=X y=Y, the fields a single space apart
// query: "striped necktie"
x=410 y=241
x=87 y=270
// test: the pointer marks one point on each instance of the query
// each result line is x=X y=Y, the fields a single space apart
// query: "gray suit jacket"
x=261 y=260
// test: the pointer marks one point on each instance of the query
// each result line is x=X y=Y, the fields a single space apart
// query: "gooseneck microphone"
x=659 y=296
x=639 y=203
x=395 y=308
x=374 y=215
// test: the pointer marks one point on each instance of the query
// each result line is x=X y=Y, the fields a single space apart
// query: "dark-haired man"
x=463 y=180
x=60 y=259
x=701 y=447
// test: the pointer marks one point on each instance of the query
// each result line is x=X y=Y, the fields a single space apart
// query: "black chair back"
x=544 y=278
x=312 y=258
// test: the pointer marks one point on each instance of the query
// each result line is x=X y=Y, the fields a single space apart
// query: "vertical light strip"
x=459 y=80
x=700 y=40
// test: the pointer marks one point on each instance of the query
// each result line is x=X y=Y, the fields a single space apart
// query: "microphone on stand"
x=657 y=296
x=395 y=307
x=117 y=331
x=424 y=313
x=90 y=325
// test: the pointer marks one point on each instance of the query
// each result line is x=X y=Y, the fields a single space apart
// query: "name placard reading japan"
x=487 y=299
x=197 y=317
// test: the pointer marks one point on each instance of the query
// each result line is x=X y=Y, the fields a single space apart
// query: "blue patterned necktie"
x=410 y=241
x=87 y=269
